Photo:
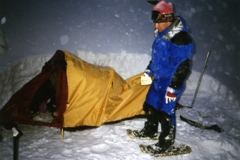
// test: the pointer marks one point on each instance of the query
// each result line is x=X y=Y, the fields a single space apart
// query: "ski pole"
x=201 y=75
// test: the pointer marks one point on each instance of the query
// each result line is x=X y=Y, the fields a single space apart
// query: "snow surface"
x=215 y=104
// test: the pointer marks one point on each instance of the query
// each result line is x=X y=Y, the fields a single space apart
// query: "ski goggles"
x=158 y=17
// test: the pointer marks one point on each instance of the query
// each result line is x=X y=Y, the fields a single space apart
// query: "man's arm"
x=180 y=74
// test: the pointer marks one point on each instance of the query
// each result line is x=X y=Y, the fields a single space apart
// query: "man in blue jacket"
x=169 y=67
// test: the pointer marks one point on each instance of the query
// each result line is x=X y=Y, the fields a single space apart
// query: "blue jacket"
x=170 y=48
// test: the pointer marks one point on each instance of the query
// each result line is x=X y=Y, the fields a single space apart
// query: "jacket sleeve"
x=180 y=74
x=181 y=38
x=148 y=70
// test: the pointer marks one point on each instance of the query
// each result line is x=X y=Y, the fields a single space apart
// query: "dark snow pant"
x=154 y=117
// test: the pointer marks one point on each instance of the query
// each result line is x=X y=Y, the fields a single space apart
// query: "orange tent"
x=86 y=94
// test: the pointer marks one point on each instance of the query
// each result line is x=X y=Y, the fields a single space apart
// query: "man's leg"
x=151 y=125
x=167 y=136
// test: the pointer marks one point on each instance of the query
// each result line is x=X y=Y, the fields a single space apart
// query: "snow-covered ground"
x=215 y=104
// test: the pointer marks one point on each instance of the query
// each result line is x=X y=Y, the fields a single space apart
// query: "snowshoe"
x=135 y=134
x=173 y=150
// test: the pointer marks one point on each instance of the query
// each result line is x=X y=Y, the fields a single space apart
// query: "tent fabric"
x=86 y=94
x=16 y=110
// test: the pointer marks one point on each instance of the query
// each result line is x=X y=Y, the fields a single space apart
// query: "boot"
x=150 y=128
x=165 y=142
x=167 y=136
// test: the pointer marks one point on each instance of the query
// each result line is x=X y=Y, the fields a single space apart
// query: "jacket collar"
x=173 y=29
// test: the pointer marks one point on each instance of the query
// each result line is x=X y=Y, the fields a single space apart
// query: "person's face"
x=162 y=26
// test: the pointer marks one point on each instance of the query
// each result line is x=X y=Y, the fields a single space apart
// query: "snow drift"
x=215 y=104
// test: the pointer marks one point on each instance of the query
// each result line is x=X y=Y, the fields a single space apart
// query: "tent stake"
x=16 y=135
x=62 y=134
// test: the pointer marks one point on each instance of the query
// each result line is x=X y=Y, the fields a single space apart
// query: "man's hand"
x=170 y=96
x=146 y=79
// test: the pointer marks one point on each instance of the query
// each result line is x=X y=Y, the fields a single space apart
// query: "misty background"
x=32 y=28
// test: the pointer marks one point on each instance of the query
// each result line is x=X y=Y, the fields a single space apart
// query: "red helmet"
x=162 y=12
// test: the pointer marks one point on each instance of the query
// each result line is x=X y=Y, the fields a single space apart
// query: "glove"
x=146 y=79
x=170 y=96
